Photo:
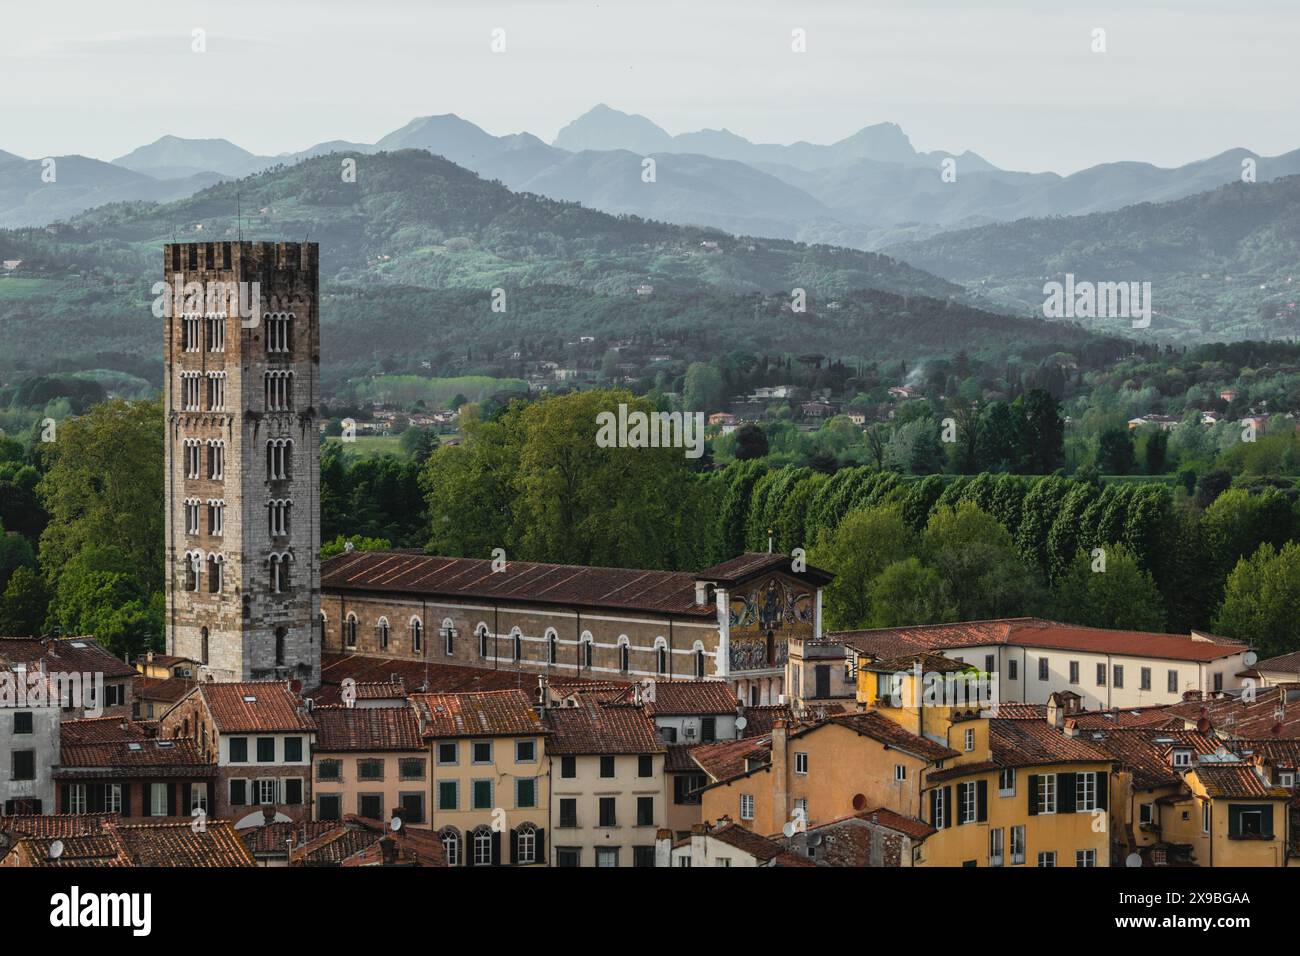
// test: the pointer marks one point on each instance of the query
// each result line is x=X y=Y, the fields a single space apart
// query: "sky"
x=1016 y=81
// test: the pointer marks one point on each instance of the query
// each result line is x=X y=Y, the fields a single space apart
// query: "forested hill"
x=1231 y=257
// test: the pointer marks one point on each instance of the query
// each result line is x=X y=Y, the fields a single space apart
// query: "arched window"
x=526 y=844
x=279 y=459
x=279 y=573
x=193 y=569
x=517 y=644
x=381 y=633
x=203 y=645
x=215 y=561
x=350 y=631
x=482 y=640
x=322 y=622
x=661 y=656
x=417 y=635
x=448 y=632
x=699 y=663
x=587 y=645
x=280 y=635
x=450 y=837
x=624 y=654
x=482 y=846
x=552 y=646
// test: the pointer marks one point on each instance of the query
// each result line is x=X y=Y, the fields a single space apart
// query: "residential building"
x=90 y=681
x=371 y=762
x=726 y=845
x=29 y=741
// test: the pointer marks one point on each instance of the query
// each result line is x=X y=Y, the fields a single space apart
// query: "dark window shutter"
x=126 y=798
x=961 y=799
x=237 y=793
x=981 y=801
x=539 y=854
x=1103 y=785
x=64 y=797
x=1033 y=794
x=947 y=806
x=496 y=848
x=934 y=805
x=171 y=799
x=187 y=794
x=1065 y=792
x=514 y=845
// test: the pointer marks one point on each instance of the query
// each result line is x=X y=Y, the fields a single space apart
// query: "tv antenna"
x=239 y=218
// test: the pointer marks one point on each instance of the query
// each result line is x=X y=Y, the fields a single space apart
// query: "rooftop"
x=602 y=729
x=366 y=729
x=497 y=713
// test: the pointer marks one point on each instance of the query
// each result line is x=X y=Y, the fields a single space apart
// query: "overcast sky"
x=1181 y=80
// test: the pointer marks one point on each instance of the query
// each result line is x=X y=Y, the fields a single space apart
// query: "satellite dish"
x=395 y=824
x=1133 y=859
x=56 y=849
x=1249 y=658
x=741 y=723
x=788 y=829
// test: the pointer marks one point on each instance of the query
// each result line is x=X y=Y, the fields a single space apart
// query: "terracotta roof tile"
x=1273 y=714
x=1146 y=753
x=98 y=730
x=126 y=756
x=759 y=720
x=677 y=698
x=66 y=654
x=1027 y=743
x=602 y=729
x=498 y=713
x=367 y=729
x=1239 y=780
x=255 y=707
x=880 y=728
x=731 y=758
x=885 y=817
x=172 y=843
x=55 y=824
x=759 y=847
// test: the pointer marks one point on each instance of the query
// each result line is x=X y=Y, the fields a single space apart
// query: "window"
x=1205 y=817
x=482 y=794
x=900 y=772
x=606 y=765
x=370 y=805
x=216 y=460
x=607 y=856
x=1144 y=813
x=568 y=812
x=416 y=630
x=643 y=856
x=746 y=806
x=350 y=631
x=191 y=391
x=708 y=729
x=1018 y=844
x=370 y=770
x=1249 y=820
x=278 y=390
x=216 y=391
x=483 y=846
x=277 y=517
x=1117 y=680
x=448 y=794
x=329 y=806
x=587 y=645
x=216 y=333
x=1085 y=858
x=268 y=790
x=607 y=812
x=216 y=516
x=970 y=740
x=450 y=845
x=517 y=646
x=239 y=750
x=525 y=792
x=23 y=722
x=1085 y=791
x=526 y=844
x=293 y=791
x=482 y=642
x=266 y=750
x=1007 y=782
x=569 y=767
x=995 y=846
x=76 y=798
x=412 y=805
x=568 y=856
x=525 y=751
x=381 y=633
x=801 y=763
x=989 y=664
x=482 y=752
x=1074 y=672
x=1173 y=682
x=1218 y=681
x=1182 y=758
x=190 y=333
x=624 y=656
x=157 y=799
x=1047 y=859
x=969 y=800
x=1101 y=675
x=645 y=766
x=448 y=752
x=661 y=659
x=1286 y=778
x=645 y=811
x=1013 y=670
x=410 y=768
x=192 y=516
x=551 y=652
x=1144 y=678
x=279 y=573
x=938 y=807
x=278 y=332
x=329 y=770
x=214 y=573
x=238 y=793
x=279 y=454
x=1042 y=668
x=193 y=464
x=699 y=664
x=1047 y=793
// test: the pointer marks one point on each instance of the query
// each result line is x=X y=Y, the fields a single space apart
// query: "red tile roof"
x=1239 y=780
x=602 y=729
x=1132 y=717
x=731 y=758
x=98 y=730
x=154 y=844
x=168 y=690
x=55 y=824
x=677 y=698
x=1273 y=714
x=1286 y=663
x=255 y=707
x=66 y=654
x=272 y=839
x=885 y=817
x=1028 y=743
x=747 y=841
x=1147 y=753
x=1035 y=632
x=883 y=730
x=748 y=565
x=132 y=758
x=662 y=592
x=498 y=713
x=367 y=729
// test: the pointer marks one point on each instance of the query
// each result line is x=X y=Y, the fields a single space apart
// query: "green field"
x=370 y=446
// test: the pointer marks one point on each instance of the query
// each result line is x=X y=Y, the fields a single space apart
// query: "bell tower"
x=242 y=395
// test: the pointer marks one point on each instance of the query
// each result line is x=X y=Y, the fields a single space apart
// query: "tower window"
x=381 y=633
x=277 y=517
x=216 y=459
x=624 y=655
x=279 y=573
x=279 y=332
x=191 y=391
x=216 y=333
x=417 y=635
x=190 y=333
x=192 y=516
x=279 y=452
x=279 y=391
x=350 y=631
x=203 y=646
x=214 y=573
x=216 y=391
x=280 y=634
x=699 y=664
x=193 y=566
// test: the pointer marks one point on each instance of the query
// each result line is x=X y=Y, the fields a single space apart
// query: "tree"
x=1157 y=452
x=1210 y=485
x=1122 y=596
x=1042 y=431
x=418 y=442
x=704 y=390
x=99 y=594
x=914 y=448
x=1115 y=452
x=15 y=552
x=907 y=592
x=856 y=552
x=25 y=603
x=977 y=561
x=359 y=543
x=1260 y=601
x=751 y=442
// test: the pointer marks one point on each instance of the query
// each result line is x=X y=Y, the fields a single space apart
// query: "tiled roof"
x=1015 y=710
x=1273 y=714
x=382 y=690
x=745 y=566
x=1146 y=752
x=1156 y=717
x=759 y=847
x=133 y=755
x=163 y=660
x=679 y=759
x=273 y=838
x=957 y=771
x=677 y=698
x=1239 y=780
x=359 y=842
x=169 y=690
x=729 y=758
x=1028 y=743
x=927 y=660
x=910 y=826
x=55 y=825
x=759 y=720
x=880 y=728
x=173 y=843
x=498 y=713
x=68 y=654
x=663 y=592
x=1280 y=753
x=1287 y=663
x=99 y=730
x=255 y=707
x=88 y=850
x=1035 y=632
x=366 y=729
x=602 y=729
x=334 y=846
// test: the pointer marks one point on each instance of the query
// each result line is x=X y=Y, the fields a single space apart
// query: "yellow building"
x=489 y=780
x=372 y=762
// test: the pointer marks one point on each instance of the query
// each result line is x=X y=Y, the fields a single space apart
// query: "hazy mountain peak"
x=603 y=127
x=177 y=151
x=9 y=157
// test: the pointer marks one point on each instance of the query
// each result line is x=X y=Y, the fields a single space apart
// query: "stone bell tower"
x=242 y=393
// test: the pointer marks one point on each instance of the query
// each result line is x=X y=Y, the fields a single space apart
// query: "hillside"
x=1224 y=262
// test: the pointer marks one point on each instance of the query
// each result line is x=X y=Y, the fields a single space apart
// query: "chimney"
x=268 y=814
x=543 y=695
x=779 y=795
x=664 y=848
x=699 y=848
x=388 y=850
x=1055 y=712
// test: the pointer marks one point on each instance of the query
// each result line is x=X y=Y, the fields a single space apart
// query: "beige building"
x=607 y=777
x=371 y=762
x=730 y=622
x=489 y=777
